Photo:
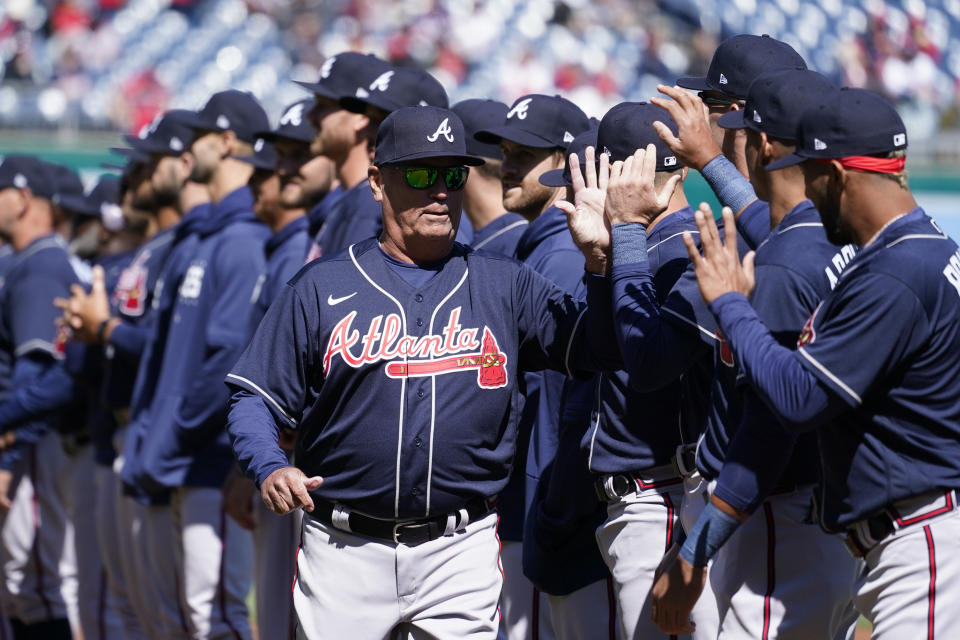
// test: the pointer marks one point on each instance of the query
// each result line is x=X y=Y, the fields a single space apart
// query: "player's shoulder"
x=47 y=257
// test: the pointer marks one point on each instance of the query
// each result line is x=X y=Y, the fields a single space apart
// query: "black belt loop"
x=407 y=532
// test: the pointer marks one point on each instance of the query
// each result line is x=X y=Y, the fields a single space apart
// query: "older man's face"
x=414 y=216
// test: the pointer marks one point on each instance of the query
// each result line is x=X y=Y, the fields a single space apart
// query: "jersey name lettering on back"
x=840 y=260
x=383 y=341
x=952 y=271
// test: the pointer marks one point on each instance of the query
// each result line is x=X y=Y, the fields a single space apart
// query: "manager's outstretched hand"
x=719 y=270
x=289 y=488
x=588 y=226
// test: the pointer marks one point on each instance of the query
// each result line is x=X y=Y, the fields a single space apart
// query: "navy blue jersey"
x=355 y=216
x=6 y=356
x=405 y=399
x=185 y=443
x=753 y=223
x=163 y=296
x=886 y=342
x=795 y=267
x=502 y=235
x=634 y=429
x=28 y=326
x=284 y=255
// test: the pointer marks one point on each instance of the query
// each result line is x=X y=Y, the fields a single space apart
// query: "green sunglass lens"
x=420 y=177
x=455 y=177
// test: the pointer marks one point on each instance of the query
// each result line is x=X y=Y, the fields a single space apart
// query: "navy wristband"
x=629 y=240
x=712 y=530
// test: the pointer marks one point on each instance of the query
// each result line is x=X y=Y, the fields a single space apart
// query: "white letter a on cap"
x=444 y=130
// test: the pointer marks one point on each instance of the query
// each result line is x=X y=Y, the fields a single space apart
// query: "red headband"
x=869 y=163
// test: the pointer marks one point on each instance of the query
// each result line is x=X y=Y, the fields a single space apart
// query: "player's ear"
x=683 y=173
x=375 y=178
x=766 y=149
x=228 y=143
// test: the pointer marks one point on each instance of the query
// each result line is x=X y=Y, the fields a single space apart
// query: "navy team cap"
x=479 y=114
x=629 y=126
x=739 y=60
x=398 y=88
x=27 y=172
x=264 y=156
x=130 y=155
x=341 y=74
x=294 y=124
x=776 y=100
x=418 y=133
x=66 y=182
x=562 y=177
x=538 y=121
x=168 y=135
x=232 y=110
x=846 y=122
x=98 y=203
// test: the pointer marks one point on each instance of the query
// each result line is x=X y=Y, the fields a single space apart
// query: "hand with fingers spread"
x=289 y=488
x=588 y=226
x=86 y=312
x=694 y=144
x=631 y=191
x=677 y=586
x=719 y=270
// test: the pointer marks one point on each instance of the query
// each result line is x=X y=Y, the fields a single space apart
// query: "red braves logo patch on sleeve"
x=726 y=353
x=435 y=354
x=130 y=294
x=807 y=334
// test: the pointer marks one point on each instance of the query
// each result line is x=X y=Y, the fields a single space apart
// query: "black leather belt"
x=878 y=527
x=611 y=487
x=866 y=534
x=407 y=532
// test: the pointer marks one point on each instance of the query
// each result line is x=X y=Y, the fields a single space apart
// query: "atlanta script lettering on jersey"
x=454 y=349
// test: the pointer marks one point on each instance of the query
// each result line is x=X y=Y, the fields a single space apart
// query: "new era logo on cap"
x=819 y=144
x=723 y=79
x=20 y=181
x=567 y=137
x=223 y=122
x=258 y=145
x=899 y=139
x=756 y=116
x=176 y=144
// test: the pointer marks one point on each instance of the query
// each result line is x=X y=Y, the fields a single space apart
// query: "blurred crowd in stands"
x=108 y=64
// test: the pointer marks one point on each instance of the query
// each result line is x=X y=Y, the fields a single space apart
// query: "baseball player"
x=345 y=138
x=748 y=459
x=734 y=65
x=185 y=448
x=874 y=369
x=407 y=355
x=34 y=469
x=631 y=441
x=532 y=138
x=281 y=196
x=494 y=229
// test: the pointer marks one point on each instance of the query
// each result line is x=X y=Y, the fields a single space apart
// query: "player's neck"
x=677 y=201
x=786 y=192
x=167 y=217
x=285 y=217
x=193 y=194
x=414 y=252
x=229 y=176
x=873 y=202
x=29 y=229
x=352 y=168
x=482 y=201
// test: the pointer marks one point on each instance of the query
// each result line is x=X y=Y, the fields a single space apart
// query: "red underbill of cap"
x=869 y=163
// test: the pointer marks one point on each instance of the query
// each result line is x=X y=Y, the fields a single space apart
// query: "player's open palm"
x=719 y=270
x=632 y=195
x=588 y=226
x=693 y=144
x=289 y=488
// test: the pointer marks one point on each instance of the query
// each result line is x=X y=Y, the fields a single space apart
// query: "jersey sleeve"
x=864 y=335
x=783 y=301
x=753 y=223
x=275 y=369
x=33 y=318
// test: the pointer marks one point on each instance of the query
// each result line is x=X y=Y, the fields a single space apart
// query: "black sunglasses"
x=716 y=101
x=426 y=177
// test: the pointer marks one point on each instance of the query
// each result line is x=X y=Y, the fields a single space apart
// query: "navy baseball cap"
x=479 y=114
x=776 y=100
x=417 y=133
x=264 y=155
x=130 y=154
x=629 y=126
x=66 y=182
x=561 y=177
x=539 y=121
x=169 y=135
x=739 y=60
x=340 y=75
x=397 y=88
x=232 y=110
x=27 y=172
x=294 y=124
x=846 y=122
x=95 y=203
